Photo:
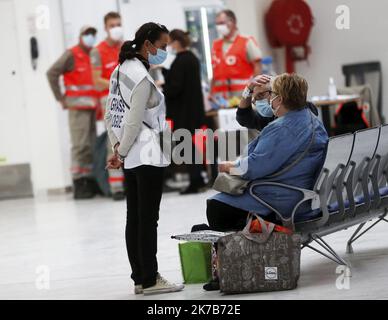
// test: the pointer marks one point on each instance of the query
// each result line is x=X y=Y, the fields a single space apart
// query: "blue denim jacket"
x=279 y=144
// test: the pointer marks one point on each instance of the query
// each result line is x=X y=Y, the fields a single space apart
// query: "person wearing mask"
x=80 y=99
x=257 y=115
x=184 y=98
x=281 y=141
x=104 y=59
x=235 y=58
x=135 y=117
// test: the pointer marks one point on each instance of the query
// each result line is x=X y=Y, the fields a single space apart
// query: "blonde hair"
x=292 y=88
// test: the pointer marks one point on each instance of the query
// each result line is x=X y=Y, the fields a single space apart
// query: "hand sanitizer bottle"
x=332 y=89
x=267 y=65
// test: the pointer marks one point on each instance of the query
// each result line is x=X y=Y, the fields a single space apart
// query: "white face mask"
x=171 y=50
x=222 y=29
x=116 y=33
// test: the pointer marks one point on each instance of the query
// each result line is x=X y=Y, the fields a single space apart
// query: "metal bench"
x=351 y=189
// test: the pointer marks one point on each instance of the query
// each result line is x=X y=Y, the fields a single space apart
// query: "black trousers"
x=223 y=217
x=144 y=187
x=194 y=169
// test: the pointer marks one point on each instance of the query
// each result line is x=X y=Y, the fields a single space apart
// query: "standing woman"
x=135 y=115
x=184 y=98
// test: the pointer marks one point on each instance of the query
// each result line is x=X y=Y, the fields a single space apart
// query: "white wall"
x=331 y=48
x=78 y=13
x=137 y=12
x=13 y=117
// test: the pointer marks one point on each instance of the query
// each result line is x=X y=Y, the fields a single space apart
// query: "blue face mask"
x=89 y=40
x=264 y=108
x=158 y=58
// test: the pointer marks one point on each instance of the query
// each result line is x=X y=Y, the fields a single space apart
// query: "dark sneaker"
x=93 y=185
x=118 y=196
x=200 y=227
x=83 y=189
x=213 y=285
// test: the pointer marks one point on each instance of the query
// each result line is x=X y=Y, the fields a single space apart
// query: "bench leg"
x=331 y=254
x=356 y=235
x=349 y=247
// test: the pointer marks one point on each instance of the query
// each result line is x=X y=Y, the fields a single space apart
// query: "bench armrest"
x=321 y=194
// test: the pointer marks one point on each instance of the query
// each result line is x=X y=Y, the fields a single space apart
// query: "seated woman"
x=280 y=143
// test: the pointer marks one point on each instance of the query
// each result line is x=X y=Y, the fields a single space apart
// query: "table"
x=324 y=102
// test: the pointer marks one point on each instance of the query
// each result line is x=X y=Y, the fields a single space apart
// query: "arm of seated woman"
x=275 y=146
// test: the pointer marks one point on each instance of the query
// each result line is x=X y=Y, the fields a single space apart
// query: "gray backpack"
x=254 y=262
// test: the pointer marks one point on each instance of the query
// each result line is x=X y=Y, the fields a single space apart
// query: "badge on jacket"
x=230 y=60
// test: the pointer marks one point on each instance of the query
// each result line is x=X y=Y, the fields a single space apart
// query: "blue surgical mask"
x=89 y=40
x=264 y=108
x=158 y=58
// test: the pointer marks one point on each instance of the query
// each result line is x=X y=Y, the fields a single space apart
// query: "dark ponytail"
x=149 y=31
x=128 y=51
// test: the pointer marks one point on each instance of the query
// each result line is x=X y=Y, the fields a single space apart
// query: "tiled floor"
x=81 y=245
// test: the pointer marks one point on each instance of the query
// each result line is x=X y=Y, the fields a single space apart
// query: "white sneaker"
x=139 y=289
x=163 y=286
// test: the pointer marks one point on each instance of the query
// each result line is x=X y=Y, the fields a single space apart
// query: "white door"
x=13 y=116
